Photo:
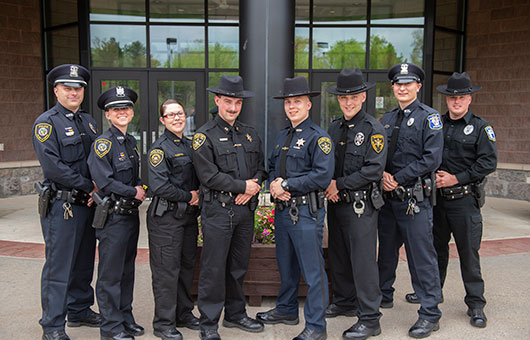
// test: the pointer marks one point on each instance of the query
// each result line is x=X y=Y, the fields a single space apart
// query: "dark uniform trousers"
x=172 y=249
x=416 y=232
x=352 y=254
x=299 y=249
x=66 y=248
x=117 y=252
x=462 y=218
x=227 y=237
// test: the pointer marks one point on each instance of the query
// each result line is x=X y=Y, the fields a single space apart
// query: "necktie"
x=341 y=150
x=85 y=138
x=283 y=154
x=129 y=146
x=393 y=141
x=241 y=164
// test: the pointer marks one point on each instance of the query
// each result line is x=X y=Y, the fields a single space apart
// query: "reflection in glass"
x=397 y=12
x=438 y=99
x=339 y=12
x=226 y=11
x=213 y=82
x=302 y=11
x=384 y=98
x=449 y=13
x=447 y=47
x=336 y=48
x=389 y=46
x=223 y=47
x=117 y=10
x=184 y=92
x=59 y=12
x=301 y=48
x=117 y=45
x=329 y=106
x=62 y=46
x=176 y=11
x=177 y=46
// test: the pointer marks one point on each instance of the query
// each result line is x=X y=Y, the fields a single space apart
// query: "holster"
x=376 y=195
x=479 y=191
x=433 y=188
x=161 y=207
x=180 y=209
x=417 y=190
x=316 y=201
x=103 y=209
x=45 y=197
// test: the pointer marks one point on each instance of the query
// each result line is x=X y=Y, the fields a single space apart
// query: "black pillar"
x=266 y=38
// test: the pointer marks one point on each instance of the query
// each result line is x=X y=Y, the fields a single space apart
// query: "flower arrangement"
x=264 y=225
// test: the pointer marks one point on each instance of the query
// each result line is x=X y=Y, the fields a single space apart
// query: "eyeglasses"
x=172 y=115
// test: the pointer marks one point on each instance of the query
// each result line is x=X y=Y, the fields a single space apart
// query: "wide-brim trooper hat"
x=350 y=82
x=295 y=87
x=406 y=73
x=119 y=96
x=69 y=75
x=458 y=84
x=231 y=86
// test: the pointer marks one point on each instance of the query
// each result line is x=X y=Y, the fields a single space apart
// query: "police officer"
x=300 y=169
x=414 y=153
x=355 y=197
x=114 y=165
x=469 y=155
x=229 y=161
x=62 y=138
x=172 y=224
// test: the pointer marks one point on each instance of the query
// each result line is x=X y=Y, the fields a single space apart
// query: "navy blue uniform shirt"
x=59 y=147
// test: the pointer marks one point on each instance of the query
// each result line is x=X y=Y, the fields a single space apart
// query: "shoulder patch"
x=490 y=133
x=156 y=157
x=102 y=147
x=324 y=143
x=378 y=142
x=43 y=131
x=435 y=122
x=198 y=140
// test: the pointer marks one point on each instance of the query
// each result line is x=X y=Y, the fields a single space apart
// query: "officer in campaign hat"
x=114 y=164
x=301 y=167
x=229 y=161
x=355 y=197
x=414 y=153
x=470 y=154
x=61 y=138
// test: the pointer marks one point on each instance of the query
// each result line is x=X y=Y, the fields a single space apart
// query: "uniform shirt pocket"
x=295 y=161
x=353 y=159
x=124 y=171
x=226 y=157
x=180 y=164
x=72 y=149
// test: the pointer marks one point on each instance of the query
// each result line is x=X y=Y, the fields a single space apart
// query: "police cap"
x=406 y=73
x=69 y=75
x=119 y=96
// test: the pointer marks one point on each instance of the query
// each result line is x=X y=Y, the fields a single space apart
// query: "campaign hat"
x=231 y=86
x=457 y=85
x=350 y=82
x=295 y=87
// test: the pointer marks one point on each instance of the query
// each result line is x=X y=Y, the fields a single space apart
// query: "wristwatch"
x=285 y=186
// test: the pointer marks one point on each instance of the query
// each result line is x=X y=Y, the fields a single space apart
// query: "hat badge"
x=404 y=69
x=73 y=71
x=120 y=91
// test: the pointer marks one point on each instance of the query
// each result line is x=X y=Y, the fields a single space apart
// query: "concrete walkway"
x=505 y=265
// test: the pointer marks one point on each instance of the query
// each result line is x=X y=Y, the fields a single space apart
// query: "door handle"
x=153 y=137
x=144 y=142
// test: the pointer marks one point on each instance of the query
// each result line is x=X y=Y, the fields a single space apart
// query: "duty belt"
x=400 y=192
x=190 y=209
x=456 y=192
x=358 y=198
x=224 y=197
x=293 y=203
x=126 y=206
x=73 y=196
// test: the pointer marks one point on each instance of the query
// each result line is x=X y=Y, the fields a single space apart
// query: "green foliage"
x=220 y=56
x=344 y=53
x=107 y=52
x=382 y=53
x=417 y=47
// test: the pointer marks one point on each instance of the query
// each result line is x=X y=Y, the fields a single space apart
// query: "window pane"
x=117 y=10
x=329 y=106
x=59 y=12
x=117 y=45
x=223 y=11
x=438 y=99
x=223 y=47
x=336 y=48
x=449 y=13
x=62 y=46
x=384 y=98
x=184 y=92
x=177 y=46
x=447 y=47
x=397 y=12
x=389 y=46
x=213 y=82
x=301 y=48
x=176 y=11
x=339 y=11
x=302 y=11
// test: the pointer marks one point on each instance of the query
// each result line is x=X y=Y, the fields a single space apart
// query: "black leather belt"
x=224 y=197
x=296 y=201
x=456 y=192
x=349 y=196
x=73 y=196
x=190 y=209
x=400 y=193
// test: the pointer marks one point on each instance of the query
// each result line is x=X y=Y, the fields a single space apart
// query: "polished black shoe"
x=309 y=334
x=334 y=310
x=361 y=331
x=55 y=335
x=93 y=319
x=189 y=321
x=423 y=328
x=133 y=329
x=209 y=334
x=478 y=318
x=246 y=324
x=168 y=334
x=119 y=336
x=412 y=298
x=386 y=304
x=272 y=317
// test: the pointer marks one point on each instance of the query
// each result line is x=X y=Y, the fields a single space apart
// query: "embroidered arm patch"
x=102 y=147
x=156 y=157
x=43 y=131
x=198 y=140
x=324 y=143
x=378 y=142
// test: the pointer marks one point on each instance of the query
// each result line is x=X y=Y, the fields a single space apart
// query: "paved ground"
x=505 y=265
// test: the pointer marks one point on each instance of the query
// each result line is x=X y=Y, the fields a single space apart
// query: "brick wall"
x=21 y=83
x=498 y=58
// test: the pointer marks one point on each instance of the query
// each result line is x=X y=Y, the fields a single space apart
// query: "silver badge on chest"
x=468 y=129
x=359 y=139
x=410 y=121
